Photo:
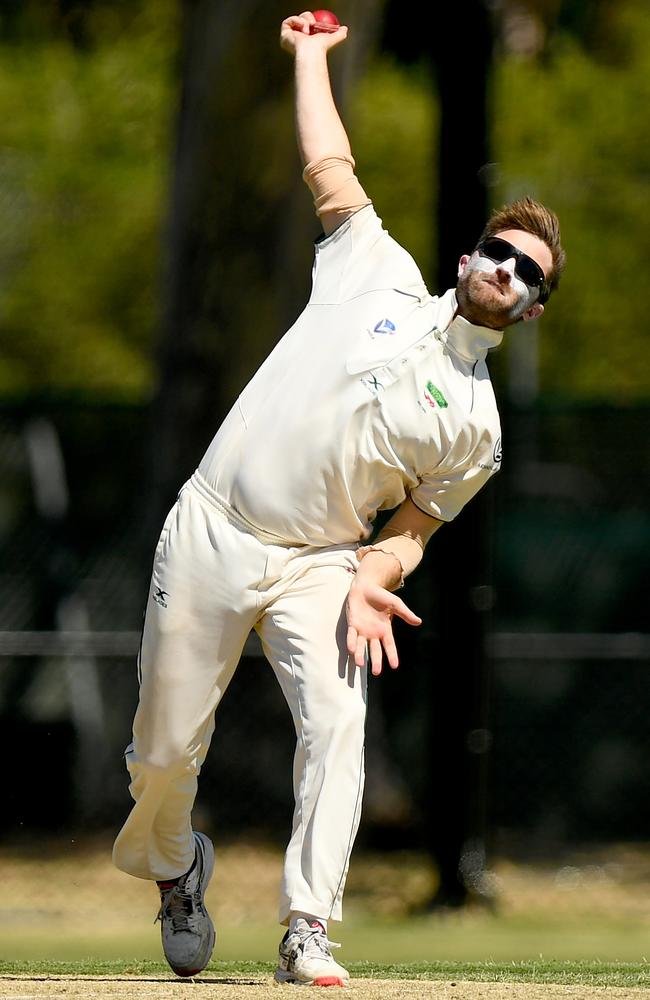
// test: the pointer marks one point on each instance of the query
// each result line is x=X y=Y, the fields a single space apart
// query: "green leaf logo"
x=433 y=394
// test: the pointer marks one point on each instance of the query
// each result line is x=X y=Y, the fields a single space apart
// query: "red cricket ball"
x=325 y=21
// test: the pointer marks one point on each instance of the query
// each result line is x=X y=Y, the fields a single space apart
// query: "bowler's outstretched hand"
x=295 y=31
x=370 y=609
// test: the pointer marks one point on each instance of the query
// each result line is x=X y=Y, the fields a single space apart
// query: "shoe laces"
x=316 y=942
x=178 y=907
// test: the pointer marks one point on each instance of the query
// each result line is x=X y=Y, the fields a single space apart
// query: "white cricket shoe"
x=186 y=928
x=306 y=957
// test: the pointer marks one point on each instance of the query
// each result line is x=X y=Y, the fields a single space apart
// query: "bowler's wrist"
x=389 y=572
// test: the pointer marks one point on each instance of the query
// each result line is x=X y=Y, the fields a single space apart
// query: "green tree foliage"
x=393 y=123
x=572 y=130
x=87 y=119
x=84 y=149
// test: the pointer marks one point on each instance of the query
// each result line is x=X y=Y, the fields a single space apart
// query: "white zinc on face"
x=526 y=296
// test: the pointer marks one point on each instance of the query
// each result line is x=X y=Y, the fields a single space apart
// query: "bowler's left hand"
x=370 y=609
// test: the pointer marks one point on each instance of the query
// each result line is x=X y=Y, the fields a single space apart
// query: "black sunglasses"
x=498 y=250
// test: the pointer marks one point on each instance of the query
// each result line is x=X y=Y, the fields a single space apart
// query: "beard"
x=485 y=301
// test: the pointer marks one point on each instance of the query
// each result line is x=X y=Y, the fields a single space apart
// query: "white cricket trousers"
x=213 y=581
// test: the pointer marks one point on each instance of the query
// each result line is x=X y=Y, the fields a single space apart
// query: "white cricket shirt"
x=378 y=391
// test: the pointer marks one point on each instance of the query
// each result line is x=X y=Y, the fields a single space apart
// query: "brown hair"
x=531 y=217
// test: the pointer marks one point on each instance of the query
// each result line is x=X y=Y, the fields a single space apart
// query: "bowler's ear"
x=534 y=312
x=462 y=263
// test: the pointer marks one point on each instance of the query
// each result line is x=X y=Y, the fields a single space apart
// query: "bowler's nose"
x=505 y=271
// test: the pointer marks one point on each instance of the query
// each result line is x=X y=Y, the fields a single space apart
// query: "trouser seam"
x=301 y=740
x=351 y=837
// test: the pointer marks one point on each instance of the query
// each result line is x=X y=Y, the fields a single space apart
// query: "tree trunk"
x=459 y=554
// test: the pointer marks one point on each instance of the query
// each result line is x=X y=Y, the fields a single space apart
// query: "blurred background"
x=155 y=242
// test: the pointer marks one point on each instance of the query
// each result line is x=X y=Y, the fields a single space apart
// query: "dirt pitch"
x=263 y=988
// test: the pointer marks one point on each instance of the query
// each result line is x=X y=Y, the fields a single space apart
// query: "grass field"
x=630 y=975
x=71 y=926
x=243 y=981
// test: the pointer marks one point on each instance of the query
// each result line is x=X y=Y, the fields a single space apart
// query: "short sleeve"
x=342 y=258
x=443 y=494
x=359 y=257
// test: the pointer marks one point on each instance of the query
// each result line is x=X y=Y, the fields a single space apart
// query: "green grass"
x=592 y=931
x=463 y=938
x=626 y=974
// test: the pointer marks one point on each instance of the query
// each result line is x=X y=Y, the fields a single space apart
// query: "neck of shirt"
x=466 y=339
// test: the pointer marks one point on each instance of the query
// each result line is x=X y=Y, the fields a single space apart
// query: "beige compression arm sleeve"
x=336 y=190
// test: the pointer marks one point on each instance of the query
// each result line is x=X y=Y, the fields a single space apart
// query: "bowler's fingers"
x=396 y=606
x=351 y=640
x=390 y=649
x=300 y=24
x=366 y=648
x=357 y=646
x=375 y=649
x=296 y=23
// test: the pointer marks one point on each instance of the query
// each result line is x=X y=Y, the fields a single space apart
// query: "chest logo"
x=385 y=327
x=433 y=396
x=372 y=384
x=498 y=453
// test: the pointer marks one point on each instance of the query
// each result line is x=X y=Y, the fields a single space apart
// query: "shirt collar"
x=466 y=339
